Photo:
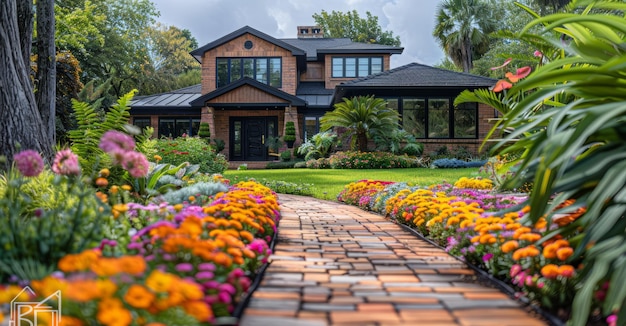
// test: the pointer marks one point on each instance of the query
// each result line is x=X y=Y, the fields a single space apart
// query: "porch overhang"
x=279 y=98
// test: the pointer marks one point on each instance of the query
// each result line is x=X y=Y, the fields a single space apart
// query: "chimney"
x=310 y=32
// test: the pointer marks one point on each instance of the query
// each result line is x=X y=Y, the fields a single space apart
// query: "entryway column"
x=207 y=116
x=291 y=114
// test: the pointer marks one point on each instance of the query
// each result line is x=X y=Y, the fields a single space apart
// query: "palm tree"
x=363 y=117
x=462 y=28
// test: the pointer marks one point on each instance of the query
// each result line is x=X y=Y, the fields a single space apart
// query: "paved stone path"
x=338 y=265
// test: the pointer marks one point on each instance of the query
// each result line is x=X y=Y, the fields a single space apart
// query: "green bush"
x=290 y=132
x=413 y=149
x=285 y=156
x=34 y=239
x=370 y=160
x=205 y=131
x=193 y=150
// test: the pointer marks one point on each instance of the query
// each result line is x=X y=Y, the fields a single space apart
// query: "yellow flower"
x=158 y=281
x=157 y=158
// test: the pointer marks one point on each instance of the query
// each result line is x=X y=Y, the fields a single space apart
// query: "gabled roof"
x=419 y=75
x=293 y=100
x=197 y=53
x=179 y=98
x=315 y=47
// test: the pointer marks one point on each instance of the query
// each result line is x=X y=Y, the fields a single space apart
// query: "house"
x=252 y=84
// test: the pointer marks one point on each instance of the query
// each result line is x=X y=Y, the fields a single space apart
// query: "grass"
x=328 y=183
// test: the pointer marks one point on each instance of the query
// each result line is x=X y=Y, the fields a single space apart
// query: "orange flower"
x=82 y=290
x=102 y=182
x=501 y=85
x=139 y=297
x=106 y=287
x=531 y=237
x=105 y=267
x=104 y=172
x=566 y=271
x=199 y=310
x=118 y=317
x=549 y=251
x=564 y=253
x=70 y=321
x=509 y=246
x=134 y=265
x=159 y=281
x=550 y=271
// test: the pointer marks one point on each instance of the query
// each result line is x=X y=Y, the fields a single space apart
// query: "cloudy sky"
x=412 y=20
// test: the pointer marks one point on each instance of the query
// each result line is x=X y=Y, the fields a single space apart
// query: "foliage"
x=285 y=165
x=90 y=128
x=193 y=150
x=35 y=237
x=193 y=193
x=291 y=188
x=413 y=149
x=462 y=28
x=68 y=87
x=285 y=156
x=371 y=160
x=218 y=145
x=319 y=145
x=350 y=25
x=363 y=117
x=290 y=132
x=396 y=141
x=204 y=131
x=453 y=163
x=568 y=118
x=78 y=25
x=274 y=143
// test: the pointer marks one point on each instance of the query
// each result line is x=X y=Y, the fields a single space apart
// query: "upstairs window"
x=350 y=67
x=264 y=70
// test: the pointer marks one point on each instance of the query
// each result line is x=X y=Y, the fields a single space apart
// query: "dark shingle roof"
x=315 y=94
x=418 y=75
x=197 y=53
x=314 y=47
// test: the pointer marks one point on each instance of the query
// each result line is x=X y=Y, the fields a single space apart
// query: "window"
x=176 y=127
x=343 y=67
x=264 y=70
x=142 y=123
x=311 y=127
x=434 y=118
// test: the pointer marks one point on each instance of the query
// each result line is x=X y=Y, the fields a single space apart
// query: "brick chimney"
x=310 y=32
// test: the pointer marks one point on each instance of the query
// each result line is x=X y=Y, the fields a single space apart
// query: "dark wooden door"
x=248 y=135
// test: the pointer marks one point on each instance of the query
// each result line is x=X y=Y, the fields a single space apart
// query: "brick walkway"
x=338 y=265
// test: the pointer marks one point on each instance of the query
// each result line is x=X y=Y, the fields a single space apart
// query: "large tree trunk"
x=20 y=123
x=46 y=67
x=25 y=26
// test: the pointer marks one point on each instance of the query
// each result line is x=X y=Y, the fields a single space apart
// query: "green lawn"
x=327 y=183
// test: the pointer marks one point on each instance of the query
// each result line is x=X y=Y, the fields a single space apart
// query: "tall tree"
x=462 y=29
x=352 y=26
x=20 y=121
x=363 y=117
x=45 y=81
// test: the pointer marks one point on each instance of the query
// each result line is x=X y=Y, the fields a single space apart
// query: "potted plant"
x=290 y=133
x=273 y=144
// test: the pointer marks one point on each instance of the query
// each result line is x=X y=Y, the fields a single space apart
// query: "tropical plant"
x=319 y=146
x=363 y=118
x=462 y=29
x=569 y=118
x=396 y=142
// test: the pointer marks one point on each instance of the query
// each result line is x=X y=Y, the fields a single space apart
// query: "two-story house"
x=252 y=84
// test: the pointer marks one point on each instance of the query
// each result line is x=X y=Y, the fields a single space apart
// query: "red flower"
x=501 y=85
x=519 y=74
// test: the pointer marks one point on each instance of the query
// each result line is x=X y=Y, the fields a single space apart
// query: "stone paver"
x=335 y=264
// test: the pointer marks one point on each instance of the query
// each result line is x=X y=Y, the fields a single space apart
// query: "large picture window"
x=177 y=127
x=349 y=67
x=264 y=70
x=434 y=118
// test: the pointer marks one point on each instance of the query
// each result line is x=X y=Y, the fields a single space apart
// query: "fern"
x=90 y=128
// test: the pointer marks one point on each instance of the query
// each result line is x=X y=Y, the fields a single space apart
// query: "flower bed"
x=148 y=261
x=489 y=230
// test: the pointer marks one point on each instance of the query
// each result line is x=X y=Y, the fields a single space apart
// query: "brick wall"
x=260 y=48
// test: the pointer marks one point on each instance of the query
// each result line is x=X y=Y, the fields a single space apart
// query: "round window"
x=248 y=45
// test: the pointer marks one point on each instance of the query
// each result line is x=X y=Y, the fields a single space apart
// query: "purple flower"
x=113 y=140
x=206 y=267
x=184 y=267
x=205 y=275
x=29 y=163
x=487 y=256
x=66 y=163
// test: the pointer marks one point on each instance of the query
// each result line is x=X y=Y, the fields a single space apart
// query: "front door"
x=248 y=135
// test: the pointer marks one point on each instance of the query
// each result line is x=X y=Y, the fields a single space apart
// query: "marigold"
x=102 y=182
x=135 y=265
x=566 y=271
x=117 y=317
x=69 y=321
x=530 y=237
x=160 y=282
x=550 y=271
x=564 y=253
x=199 y=310
x=549 y=251
x=139 y=297
x=509 y=246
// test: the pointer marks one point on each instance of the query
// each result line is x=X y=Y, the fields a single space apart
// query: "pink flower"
x=506 y=62
x=538 y=54
x=515 y=269
x=184 y=267
x=611 y=320
x=113 y=140
x=136 y=164
x=29 y=163
x=66 y=163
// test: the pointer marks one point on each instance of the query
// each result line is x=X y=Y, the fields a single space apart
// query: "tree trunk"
x=46 y=67
x=20 y=123
x=362 y=141
x=25 y=26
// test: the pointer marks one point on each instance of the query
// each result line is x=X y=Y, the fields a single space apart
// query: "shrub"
x=370 y=160
x=285 y=156
x=193 y=150
x=413 y=149
x=205 y=131
x=453 y=163
x=290 y=132
x=283 y=187
x=319 y=146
